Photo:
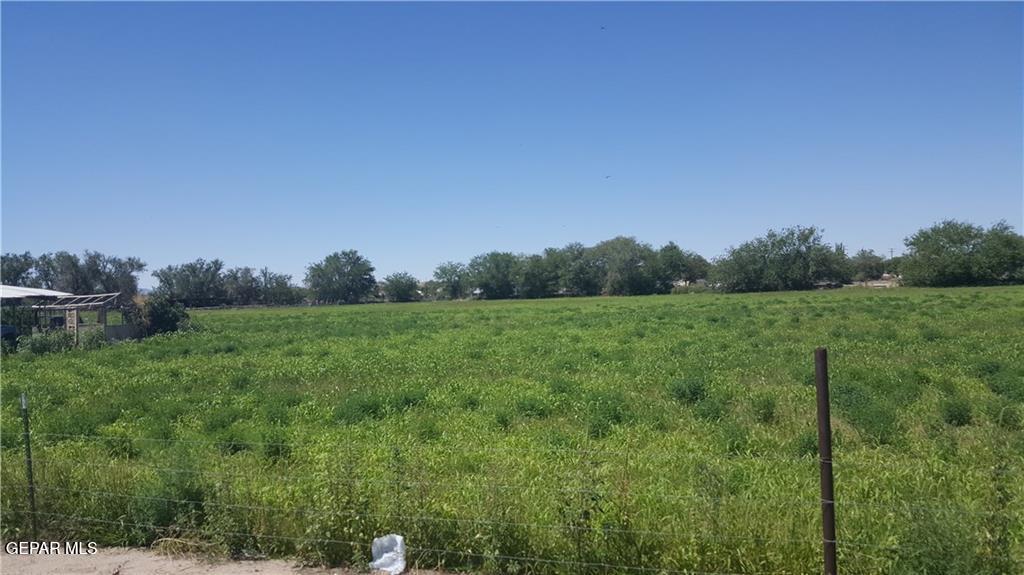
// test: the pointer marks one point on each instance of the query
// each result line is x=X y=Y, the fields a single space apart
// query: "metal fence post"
x=828 y=505
x=28 y=467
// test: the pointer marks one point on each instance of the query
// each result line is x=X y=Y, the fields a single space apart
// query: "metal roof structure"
x=94 y=301
x=16 y=292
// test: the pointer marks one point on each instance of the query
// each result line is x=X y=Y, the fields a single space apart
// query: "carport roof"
x=17 y=292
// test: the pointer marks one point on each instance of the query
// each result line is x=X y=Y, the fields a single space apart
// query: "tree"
x=276 y=289
x=867 y=266
x=495 y=274
x=63 y=271
x=894 y=265
x=109 y=274
x=452 y=277
x=942 y=255
x=1001 y=257
x=342 y=277
x=793 y=259
x=953 y=253
x=401 y=287
x=674 y=264
x=579 y=271
x=538 y=276
x=16 y=269
x=242 y=286
x=197 y=283
x=629 y=267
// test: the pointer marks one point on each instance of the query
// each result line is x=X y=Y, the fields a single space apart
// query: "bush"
x=162 y=315
x=92 y=339
x=47 y=342
x=764 y=409
x=957 y=412
x=688 y=390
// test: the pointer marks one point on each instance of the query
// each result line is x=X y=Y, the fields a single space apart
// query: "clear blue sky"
x=274 y=134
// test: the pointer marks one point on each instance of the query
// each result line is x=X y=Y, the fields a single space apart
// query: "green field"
x=675 y=433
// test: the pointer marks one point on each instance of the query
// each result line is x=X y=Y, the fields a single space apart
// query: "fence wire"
x=871 y=550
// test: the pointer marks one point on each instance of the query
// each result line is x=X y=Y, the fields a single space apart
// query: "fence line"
x=486 y=556
x=615 y=487
x=922 y=504
x=441 y=448
x=718 y=458
x=292 y=477
x=431 y=519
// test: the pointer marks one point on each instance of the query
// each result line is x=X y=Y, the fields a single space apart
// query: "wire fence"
x=522 y=509
x=117 y=489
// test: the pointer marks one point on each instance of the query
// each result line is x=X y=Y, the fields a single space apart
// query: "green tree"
x=277 y=289
x=629 y=267
x=955 y=253
x=1001 y=257
x=109 y=274
x=196 y=283
x=243 y=286
x=401 y=287
x=793 y=259
x=867 y=266
x=16 y=269
x=579 y=271
x=943 y=255
x=63 y=271
x=342 y=277
x=538 y=276
x=452 y=277
x=894 y=265
x=674 y=264
x=495 y=274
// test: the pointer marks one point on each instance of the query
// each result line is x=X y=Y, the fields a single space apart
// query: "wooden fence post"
x=828 y=505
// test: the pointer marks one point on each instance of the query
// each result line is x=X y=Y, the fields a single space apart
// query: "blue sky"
x=274 y=134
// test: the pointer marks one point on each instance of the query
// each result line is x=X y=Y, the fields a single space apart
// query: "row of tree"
x=950 y=253
x=93 y=272
x=619 y=266
x=193 y=284
x=207 y=283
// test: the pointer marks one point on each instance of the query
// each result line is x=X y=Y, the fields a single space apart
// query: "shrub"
x=713 y=408
x=764 y=409
x=957 y=412
x=161 y=315
x=360 y=406
x=606 y=410
x=532 y=406
x=92 y=339
x=47 y=342
x=688 y=390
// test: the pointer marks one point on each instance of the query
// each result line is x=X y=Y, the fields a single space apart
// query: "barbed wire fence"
x=68 y=494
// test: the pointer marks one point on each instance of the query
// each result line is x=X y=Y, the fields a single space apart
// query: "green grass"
x=672 y=432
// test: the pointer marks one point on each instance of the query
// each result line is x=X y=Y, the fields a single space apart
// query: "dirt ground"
x=124 y=561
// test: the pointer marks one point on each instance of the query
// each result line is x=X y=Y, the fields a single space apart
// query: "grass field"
x=670 y=432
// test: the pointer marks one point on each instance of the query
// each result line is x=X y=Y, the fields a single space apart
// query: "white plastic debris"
x=388 y=554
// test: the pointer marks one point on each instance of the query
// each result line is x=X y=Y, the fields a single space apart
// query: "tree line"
x=950 y=253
